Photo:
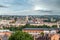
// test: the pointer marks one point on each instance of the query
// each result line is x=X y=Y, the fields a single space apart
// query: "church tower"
x=27 y=18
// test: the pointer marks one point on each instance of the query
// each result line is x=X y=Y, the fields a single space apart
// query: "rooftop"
x=41 y=29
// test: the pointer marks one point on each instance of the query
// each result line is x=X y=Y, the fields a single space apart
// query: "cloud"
x=2 y=6
x=32 y=7
x=46 y=4
x=30 y=12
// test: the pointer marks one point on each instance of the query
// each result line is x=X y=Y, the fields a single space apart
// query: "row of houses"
x=7 y=23
x=49 y=33
x=43 y=33
x=36 y=31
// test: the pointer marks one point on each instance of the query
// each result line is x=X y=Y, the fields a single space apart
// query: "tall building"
x=52 y=19
x=26 y=18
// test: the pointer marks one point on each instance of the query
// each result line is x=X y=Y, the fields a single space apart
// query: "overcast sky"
x=29 y=7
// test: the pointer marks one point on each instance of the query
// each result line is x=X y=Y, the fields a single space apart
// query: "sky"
x=29 y=7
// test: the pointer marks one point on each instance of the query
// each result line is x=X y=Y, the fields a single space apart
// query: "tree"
x=42 y=33
x=18 y=35
x=12 y=28
x=45 y=26
x=54 y=26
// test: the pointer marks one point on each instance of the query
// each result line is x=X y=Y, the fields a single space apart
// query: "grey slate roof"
x=41 y=29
